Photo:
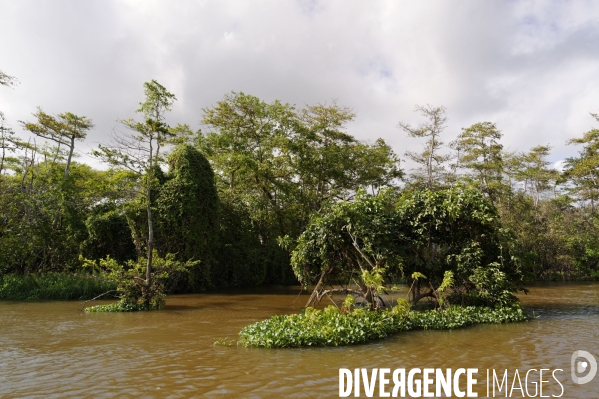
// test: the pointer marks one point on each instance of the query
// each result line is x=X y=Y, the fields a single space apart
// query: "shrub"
x=131 y=288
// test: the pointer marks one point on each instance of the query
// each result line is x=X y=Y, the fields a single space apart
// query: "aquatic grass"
x=53 y=285
x=121 y=306
x=330 y=327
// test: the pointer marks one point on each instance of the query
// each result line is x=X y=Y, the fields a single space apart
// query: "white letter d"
x=345 y=390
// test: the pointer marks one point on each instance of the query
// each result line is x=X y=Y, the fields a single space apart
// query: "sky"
x=531 y=67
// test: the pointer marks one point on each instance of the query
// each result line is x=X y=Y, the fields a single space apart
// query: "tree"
x=430 y=238
x=479 y=152
x=584 y=169
x=7 y=80
x=283 y=164
x=187 y=207
x=8 y=141
x=138 y=150
x=533 y=171
x=349 y=242
x=431 y=173
x=63 y=130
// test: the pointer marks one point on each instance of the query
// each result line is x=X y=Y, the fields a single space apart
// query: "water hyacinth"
x=330 y=327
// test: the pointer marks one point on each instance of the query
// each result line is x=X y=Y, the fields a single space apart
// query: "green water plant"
x=332 y=327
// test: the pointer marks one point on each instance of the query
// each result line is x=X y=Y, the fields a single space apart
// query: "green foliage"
x=241 y=256
x=108 y=235
x=122 y=307
x=329 y=327
x=42 y=217
x=349 y=302
x=455 y=230
x=281 y=164
x=347 y=241
x=224 y=342
x=134 y=292
x=431 y=173
x=53 y=286
x=442 y=237
x=402 y=308
x=186 y=217
x=417 y=276
x=480 y=153
x=492 y=285
x=582 y=170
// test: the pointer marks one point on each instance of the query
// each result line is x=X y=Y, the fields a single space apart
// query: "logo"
x=578 y=366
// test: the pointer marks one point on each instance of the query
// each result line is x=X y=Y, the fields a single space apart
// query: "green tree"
x=187 y=207
x=283 y=164
x=9 y=144
x=7 y=80
x=431 y=172
x=583 y=171
x=8 y=140
x=480 y=153
x=422 y=236
x=349 y=242
x=457 y=230
x=138 y=150
x=63 y=130
x=532 y=170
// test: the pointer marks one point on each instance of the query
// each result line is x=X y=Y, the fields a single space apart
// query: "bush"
x=53 y=286
x=330 y=327
x=135 y=294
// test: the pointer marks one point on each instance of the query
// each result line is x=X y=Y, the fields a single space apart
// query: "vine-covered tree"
x=421 y=236
x=187 y=207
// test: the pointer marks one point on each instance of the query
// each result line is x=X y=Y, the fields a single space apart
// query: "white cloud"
x=530 y=66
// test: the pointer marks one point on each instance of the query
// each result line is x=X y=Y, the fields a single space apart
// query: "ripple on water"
x=50 y=349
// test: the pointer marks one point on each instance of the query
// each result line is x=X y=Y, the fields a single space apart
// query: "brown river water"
x=52 y=350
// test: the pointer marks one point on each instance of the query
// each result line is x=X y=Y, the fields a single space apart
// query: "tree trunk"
x=72 y=147
x=150 y=241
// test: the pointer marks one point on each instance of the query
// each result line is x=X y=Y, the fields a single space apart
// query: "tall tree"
x=7 y=137
x=187 y=207
x=431 y=172
x=9 y=143
x=63 y=130
x=533 y=171
x=287 y=163
x=480 y=153
x=138 y=150
x=584 y=169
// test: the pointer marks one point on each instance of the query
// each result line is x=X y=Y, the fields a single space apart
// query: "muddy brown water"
x=51 y=350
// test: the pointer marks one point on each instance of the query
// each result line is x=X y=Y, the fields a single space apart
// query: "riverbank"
x=53 y=286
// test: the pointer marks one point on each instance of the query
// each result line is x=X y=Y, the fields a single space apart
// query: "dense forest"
x=236 y=202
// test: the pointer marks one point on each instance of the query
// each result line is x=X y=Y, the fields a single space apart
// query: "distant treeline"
x=237 y=194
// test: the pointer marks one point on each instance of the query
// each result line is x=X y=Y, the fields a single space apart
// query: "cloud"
x=529 y=66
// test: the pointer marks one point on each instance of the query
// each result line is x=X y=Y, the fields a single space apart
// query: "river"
x=52 y=350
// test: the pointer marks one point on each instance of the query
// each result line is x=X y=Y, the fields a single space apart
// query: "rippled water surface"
x=52 y=350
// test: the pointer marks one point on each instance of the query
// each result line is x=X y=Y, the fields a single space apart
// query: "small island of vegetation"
x=448 y=244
